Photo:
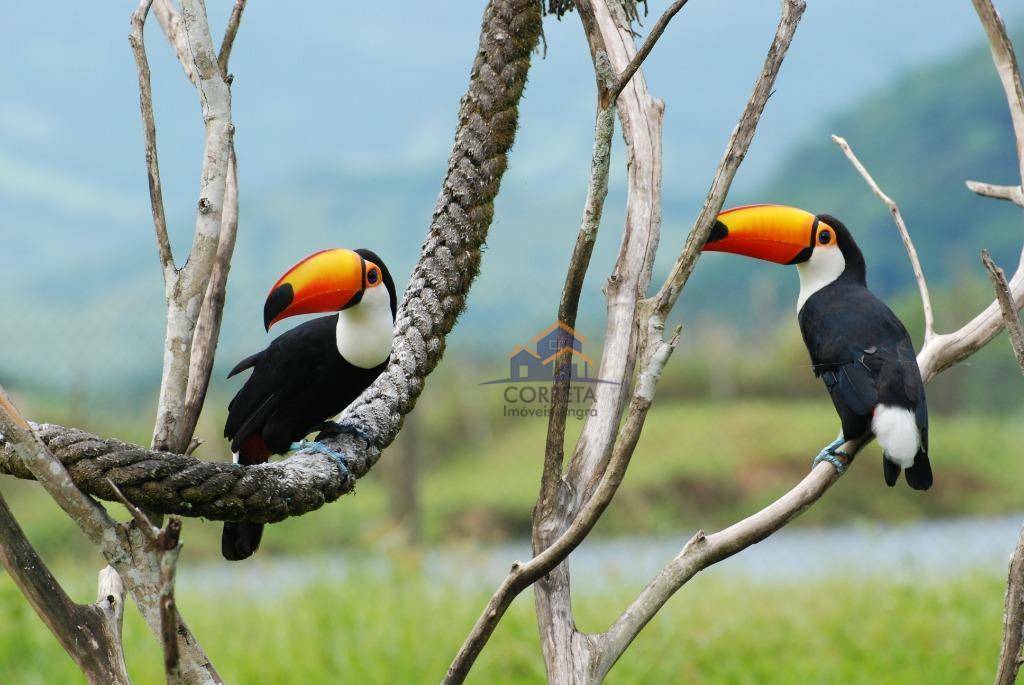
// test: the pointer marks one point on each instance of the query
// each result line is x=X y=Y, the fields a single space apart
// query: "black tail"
x=919 y=476
x=891 y=471
x=240 y=539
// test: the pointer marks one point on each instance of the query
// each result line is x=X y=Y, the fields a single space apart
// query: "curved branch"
x=169 y=483
x=915 y=262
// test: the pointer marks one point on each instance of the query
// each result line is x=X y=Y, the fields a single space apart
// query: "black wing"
x=297 y=382
x=864 y=354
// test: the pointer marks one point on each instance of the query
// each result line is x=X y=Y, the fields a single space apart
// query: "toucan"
x=858 y=347
x=311 y=373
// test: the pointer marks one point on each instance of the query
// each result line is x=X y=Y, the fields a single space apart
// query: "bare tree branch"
x=915 y=262
x=579 y=263
x=186 y=292
x=1011 y=318
x=156 y=197
x=938 y=353
x=1010 y=657
x=90 y=634
x=1005 y=60
x=165 y=543
x=128 y=549
x=525 y=574
x=641 y=54
x=607 y=27
x=736 y=151
x=229 y=36
x=170 y=21
x=207 y=333
x=569 y=654
x=1011 y=193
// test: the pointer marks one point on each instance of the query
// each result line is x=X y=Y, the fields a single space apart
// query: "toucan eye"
x=824 y=237
x=372 y=276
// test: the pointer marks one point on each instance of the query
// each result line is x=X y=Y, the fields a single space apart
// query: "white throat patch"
x=825 y=266
x=365 y=331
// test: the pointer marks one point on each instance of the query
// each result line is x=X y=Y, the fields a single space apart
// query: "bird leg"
x=833 y=455
x=331 y=429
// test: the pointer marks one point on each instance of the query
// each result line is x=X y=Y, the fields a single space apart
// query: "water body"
x=933 y=549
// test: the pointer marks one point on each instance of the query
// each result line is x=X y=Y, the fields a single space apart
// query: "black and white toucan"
x=311 y=373
x=857 y=345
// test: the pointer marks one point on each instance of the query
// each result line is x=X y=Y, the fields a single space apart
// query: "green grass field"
x=398 y=629
x=698 y=465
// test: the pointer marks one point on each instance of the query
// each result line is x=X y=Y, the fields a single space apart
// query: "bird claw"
x=317 y=446
x=332 y=429
x=833 y=455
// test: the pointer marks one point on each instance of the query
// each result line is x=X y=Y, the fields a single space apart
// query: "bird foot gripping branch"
x=331 y=429
x=318 y=446
x=833 y=455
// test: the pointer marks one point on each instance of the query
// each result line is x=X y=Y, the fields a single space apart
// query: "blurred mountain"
x=345 y=112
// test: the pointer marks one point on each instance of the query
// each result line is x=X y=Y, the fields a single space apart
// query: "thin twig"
x=229 y=36
x=1012 y=193
x=579 y=263
x=735 y=152
x=156 y=197
x=915 y=262
x=139 y=516
x=642 y=53
x=1014 y=328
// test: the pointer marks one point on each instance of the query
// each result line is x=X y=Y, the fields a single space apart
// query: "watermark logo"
x=532 y=368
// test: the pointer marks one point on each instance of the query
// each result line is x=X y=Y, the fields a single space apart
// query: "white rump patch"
x=365 y=331
x=825 y=265
x=897 y=433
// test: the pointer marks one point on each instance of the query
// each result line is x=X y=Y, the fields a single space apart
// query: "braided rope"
x=449 y=261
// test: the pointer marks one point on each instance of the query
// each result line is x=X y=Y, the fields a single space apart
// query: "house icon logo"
x=538 y=364
x=535 y=362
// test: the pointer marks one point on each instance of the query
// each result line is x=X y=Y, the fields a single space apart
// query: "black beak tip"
x=718 y=232
x=280 y=299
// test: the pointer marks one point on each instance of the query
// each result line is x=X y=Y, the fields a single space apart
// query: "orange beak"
x=325 y=281
x=784 y=235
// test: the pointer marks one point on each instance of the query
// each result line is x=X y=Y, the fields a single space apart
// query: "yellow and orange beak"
x=776 y=233
x=325 y=281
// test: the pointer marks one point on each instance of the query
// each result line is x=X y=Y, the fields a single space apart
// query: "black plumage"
x=299 y=381
x=863 y=353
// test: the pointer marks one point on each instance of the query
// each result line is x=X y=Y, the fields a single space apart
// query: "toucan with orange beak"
x=311 y=373
x=858 y=347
